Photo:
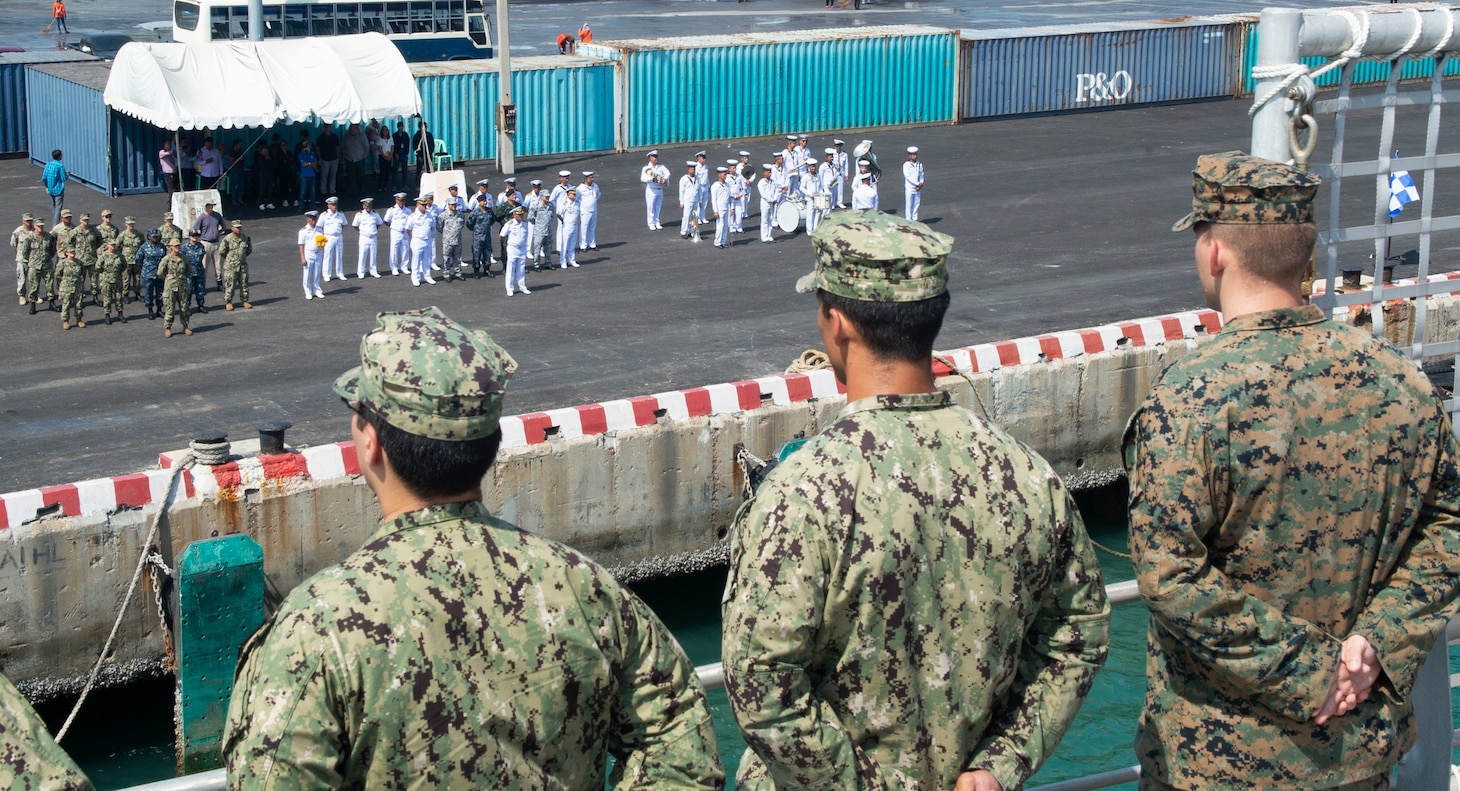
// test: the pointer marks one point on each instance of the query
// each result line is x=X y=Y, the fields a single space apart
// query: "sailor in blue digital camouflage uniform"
x=29 y=757
x=192 y=253
x=453 y=650
x=913 y=602
x=1294 y=505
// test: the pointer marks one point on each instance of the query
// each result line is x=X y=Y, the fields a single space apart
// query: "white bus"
x=423 y=30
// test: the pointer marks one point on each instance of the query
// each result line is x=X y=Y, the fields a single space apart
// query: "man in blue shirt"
x=54 y=177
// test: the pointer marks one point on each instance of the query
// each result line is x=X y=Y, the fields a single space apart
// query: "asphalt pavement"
x=1060 y=222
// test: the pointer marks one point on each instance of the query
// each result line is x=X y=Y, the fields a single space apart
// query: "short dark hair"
x=433 y=467
x=55 y=153
x=1277 y=253
x=902 y=331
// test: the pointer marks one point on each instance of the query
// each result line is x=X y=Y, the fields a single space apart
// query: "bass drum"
x=790 y=214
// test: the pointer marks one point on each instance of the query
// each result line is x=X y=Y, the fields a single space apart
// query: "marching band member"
x=654 y=176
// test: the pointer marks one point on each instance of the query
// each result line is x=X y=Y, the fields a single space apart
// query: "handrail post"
x=1427 y=765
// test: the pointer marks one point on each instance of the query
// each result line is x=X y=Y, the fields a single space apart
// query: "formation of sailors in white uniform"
x=796 y=177
x=432 y=237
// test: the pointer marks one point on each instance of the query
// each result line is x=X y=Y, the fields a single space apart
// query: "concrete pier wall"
x=647 y=486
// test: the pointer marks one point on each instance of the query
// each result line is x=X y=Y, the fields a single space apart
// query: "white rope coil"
x=211 y=454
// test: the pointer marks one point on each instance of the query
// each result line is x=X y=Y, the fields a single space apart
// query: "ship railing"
x=1431 y=698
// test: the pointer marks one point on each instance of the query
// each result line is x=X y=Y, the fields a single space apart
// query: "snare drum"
x=821 y=202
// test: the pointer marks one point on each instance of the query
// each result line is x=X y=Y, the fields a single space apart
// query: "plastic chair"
x=441 y=157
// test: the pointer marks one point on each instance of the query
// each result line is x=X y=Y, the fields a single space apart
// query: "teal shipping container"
x=1366 y=72
x=564 y=104
x=699 y=88
x=1100 y=66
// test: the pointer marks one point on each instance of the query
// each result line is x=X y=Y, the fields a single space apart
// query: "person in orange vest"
x=585 y=34
x=58 y=16
x=565 y=43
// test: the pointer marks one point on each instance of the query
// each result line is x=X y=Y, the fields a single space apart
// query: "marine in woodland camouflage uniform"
x=168 y=231
x=131 y=241
x=39 y=247
x=69 y=273
x=30 y=760
x=109 y=270
x=24 y=229
x=86 y=241
x=234 y=250
x=172 y=271
x=453 y=650
x=912 y=595
x=1293 y=501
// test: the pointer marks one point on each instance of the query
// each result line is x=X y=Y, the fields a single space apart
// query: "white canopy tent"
x=234 y=84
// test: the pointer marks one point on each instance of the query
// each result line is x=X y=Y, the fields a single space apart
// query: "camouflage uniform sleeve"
x=1409 y=612
x=282 y=733
x=1243 y=646
x=1064 y=647
x=665 y=736
x=30 y=760
x=768 y=641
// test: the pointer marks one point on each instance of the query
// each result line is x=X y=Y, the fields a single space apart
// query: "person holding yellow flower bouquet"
x=311 y=254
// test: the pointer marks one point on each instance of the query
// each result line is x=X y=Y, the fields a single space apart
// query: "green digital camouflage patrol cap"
x=1236 y=189
x=876 y=257
x=429 y=376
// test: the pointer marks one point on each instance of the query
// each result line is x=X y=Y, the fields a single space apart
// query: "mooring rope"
x=142 y=562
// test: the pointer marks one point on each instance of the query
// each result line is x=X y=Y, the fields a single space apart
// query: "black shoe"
x=151 y=315
x=123 y=317
x=202 y=309
x=32 y=308
x=108 y=319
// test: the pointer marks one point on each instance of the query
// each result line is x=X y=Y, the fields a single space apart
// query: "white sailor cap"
x=864 y=163
x=744 y=153
x=587 y=174
x=767 y=167
x=653 y=153
x=912 y=149
x=310 y=213
x=691 y=163
x=422 y=198
x=831 y=151
x=453 y=188
x=400 y=196
x=536 y=182
x=864 y=176
x=563 y=174
x=428 y=194
x=510 y=180
x=779 y=155
x=484 y=182
x=791 y=138
x=722 y=169
x=803 y=137
x=367 y=200
x=732 y=161
x=699 y=154
x=332 y=199
x=838 y=143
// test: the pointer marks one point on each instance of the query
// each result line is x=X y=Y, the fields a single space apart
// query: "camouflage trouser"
x=481 y=252
x=235 y=279
x=1375 y=783
x=88 y=283
x=71 y=300
x=38 y=283
x=175 y=305
x=132 y=280
x=111 y=296
x=451 y=260
x=197 y=284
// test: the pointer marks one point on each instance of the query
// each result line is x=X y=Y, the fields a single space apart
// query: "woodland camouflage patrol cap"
x=1233 y=188
x=429 y=376
x=876 y=257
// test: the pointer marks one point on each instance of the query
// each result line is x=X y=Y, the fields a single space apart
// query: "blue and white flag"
x=1401 y=190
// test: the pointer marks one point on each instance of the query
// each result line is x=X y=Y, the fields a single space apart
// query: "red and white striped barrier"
x=338 y=460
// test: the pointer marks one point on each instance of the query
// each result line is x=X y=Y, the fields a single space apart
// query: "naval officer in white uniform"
x=912 y=184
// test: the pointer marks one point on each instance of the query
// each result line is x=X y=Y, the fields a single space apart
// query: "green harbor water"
x=124 y=737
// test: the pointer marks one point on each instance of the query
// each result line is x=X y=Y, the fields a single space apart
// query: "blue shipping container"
x=701 y=88
x=1091 y=67
x=1366 y=72
x=13 y=134
x=564 y=105
x=66 y=112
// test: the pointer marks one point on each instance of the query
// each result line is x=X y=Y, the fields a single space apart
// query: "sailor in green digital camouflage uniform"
x=455 y=651
x=172 y=270
x=234 y=250
x=109 y=271
x=30 y=760
x=913 y=602
x=69 y=273
x=1294 y=506
x=131 y=241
